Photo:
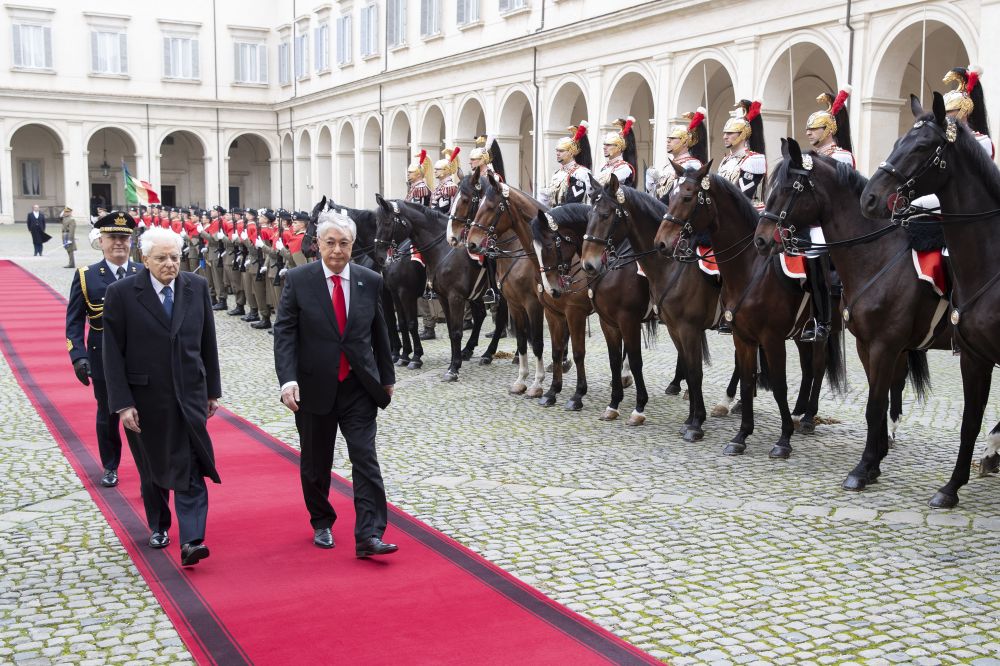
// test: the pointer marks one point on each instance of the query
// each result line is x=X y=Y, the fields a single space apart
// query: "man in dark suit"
x=86 y=304
x=36 y=225
x=331 y=353
x=161 y=363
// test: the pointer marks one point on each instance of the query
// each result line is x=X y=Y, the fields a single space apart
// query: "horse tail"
x=706 y=353
x=836 y=368
x=763 y=376
x=919 y=373
x=650 y=331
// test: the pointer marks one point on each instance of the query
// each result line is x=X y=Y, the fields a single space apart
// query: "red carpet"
x=267 y=595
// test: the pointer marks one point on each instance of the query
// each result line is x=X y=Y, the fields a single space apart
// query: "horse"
x=894 y=316
x=515 y=280
x=457 y=277
x=757 y=301
x=362 y=253
x=682 y=297
x=620 y=298
x=939 y=155
x=503 y=209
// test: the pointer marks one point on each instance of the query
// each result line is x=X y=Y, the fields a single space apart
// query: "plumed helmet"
x=449 y=163
x=967 y=97
x=746 y=121
x=692 y=134
x=833 y=119
x=421 y=166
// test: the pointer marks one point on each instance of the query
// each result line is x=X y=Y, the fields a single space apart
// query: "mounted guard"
x=745 y=164
x=620 y=154
x=419 y=180
x=487 y=154
x=448 y=175
x=571 y=181
x=686 y=147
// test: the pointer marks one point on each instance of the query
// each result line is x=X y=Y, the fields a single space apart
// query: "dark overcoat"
x=167 y=369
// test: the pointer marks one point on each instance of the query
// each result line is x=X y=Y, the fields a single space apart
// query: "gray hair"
x=159 y=236
x=330 y=219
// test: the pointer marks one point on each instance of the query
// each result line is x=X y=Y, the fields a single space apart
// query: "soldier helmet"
x=833 y=120
x=115 y=222
x=967 y=97
x=745 y=120
x=693 y=133
x=449 y=163
x=578 y=144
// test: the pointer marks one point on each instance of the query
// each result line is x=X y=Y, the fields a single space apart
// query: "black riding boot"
x=818 y=329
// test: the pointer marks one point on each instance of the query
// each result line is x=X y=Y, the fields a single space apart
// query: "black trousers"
x=109 y=438
x=354 y=413
x=38 y=249
x=191 y=505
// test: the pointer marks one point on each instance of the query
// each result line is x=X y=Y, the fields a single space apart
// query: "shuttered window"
x=344 y=40
x=284 y=64
x=180 y=58
x=430 y=18
x=369 y=30
x=467 y=12
x=395 y=19
x=302 y=55
x=32 y=46
x=321 y=40
x=250 y=63
x=108 y=52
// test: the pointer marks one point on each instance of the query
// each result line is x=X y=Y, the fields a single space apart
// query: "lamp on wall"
x=105 y=167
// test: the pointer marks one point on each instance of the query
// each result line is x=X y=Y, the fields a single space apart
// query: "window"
x=31 y=178
x=344 y=40
x=32 y=46
x=180 y=58
x=468 y=12
x=322 y=40
x=108 y=52
x=510 y=5
x=369 y=30
x=430 y=18
x=395 y=18
x=284 y=64
x=302 y=55
x=250 y=63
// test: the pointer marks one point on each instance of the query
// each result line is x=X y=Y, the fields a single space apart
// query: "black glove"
x=82 y=369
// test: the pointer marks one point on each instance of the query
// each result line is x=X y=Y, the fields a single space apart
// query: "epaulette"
x=449 y=190
x=754 y=163
x=688 y=161
x=98 y=310
x=419 y=191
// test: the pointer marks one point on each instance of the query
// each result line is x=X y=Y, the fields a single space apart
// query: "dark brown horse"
x=894 y=316
x=504 y=209
x=756 y=297
x=684 y=300
x=939 y=155
x=620 y=298
x=515 y=277
x=457 y=278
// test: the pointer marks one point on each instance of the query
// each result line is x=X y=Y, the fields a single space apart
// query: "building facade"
x=278 y=103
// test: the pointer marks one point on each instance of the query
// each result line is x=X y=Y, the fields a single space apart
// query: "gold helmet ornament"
x=421 y=168
x=487 y=150
x=619 y=138
x=480 y=152
x=966 y=100
x=448 y=164
x=833 y=119
x=745 y=120
x=577 y=145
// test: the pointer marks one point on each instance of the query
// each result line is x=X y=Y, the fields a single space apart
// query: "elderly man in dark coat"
x=36 y=225
x=161 y=364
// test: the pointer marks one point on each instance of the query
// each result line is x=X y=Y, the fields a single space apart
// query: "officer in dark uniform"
x=86 y=304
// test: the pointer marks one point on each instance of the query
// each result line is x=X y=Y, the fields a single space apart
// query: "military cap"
x=284 y=214
x=251 y=212
x=219 y=209
x=116 y=222
x=301 y=216
x=270 y=214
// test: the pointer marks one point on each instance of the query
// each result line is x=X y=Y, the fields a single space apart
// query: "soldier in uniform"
x=967 y=104
x=571 y=181
x=192 y=242
x=250 y=263
x=620 y=154
x=213 y=235
x=234 y=260
x=298 y=233
x=686 y=147
x=69 y=235
x=86 y=305
x=267 y=269
x=487 y=154
x=829 y=133
x=448 y=175
x=419 y=180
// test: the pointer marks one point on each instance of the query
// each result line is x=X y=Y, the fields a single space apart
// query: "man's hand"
x=130 y=418
x=290 y=396
x=82 y=369
x=213 y=407
x=389 y=389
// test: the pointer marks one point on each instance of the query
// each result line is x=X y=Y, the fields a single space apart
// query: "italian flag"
x=138 y=191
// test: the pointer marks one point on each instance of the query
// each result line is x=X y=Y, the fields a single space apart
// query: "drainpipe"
x=281 y=170
x=850 y=44
x=538 y=97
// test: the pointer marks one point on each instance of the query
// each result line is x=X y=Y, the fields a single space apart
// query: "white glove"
x=184 y=233
x=200 y=228
x=262 y=269
x=243 y=235
x=282 y=272
x=278 y=245
x=258 y=243
x=204 y=250
x=218 y=236
x=142 y=224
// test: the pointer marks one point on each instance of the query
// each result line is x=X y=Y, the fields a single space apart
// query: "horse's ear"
x=382 y=203
x=795 y=153
x=324 y=205
x=678 y=169
x=613 y=185
x=915 y=107
x=595 y=185
x=703 y=171
x=939 y=112
x=784 y=149
x=491 y=179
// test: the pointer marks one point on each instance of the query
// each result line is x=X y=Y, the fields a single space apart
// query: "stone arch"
x=287 y=156
x=37 y=166
x=398 y=154
x=632 y=94
x=107 y=147
x=182 y=169
x=346 y=178
x=305 y=188
x=515 y=136
x=568 y=107
x=324 y=163
x=249 y=170
x=371 y=161
x=432 y=130
x=715 y=77
x=471 y=120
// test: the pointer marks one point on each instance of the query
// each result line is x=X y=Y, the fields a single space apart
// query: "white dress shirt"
x=159 y=287
x=114 y=268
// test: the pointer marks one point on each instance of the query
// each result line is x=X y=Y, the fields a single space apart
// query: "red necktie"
x=340 y=309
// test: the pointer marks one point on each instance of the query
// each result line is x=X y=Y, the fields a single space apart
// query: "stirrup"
x=490 y=296
x=429 y=294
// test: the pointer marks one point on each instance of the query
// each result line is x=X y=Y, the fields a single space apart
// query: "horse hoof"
x=450 y=376
x=636 y=419
x=734 y=449
x=672 y=389
x=989 y=465
x=547 y=400
x=780 y=452
x=854 y=483
x=485 y=360
x=567 y=364
x=943 y=501
x=534 y=392
x=574 y=405
x=401 y=361
x=517 y=389
x=626 y=381
x=515 y=360
x=806 y=428
x=737 y=408
x=610 y=414
x=394 y=357
x=693 y=434
x=720 y=410
x=415 y=364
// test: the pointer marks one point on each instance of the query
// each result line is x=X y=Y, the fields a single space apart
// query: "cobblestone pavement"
x=691 y=555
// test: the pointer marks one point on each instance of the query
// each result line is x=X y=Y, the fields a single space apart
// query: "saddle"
x=928 y=250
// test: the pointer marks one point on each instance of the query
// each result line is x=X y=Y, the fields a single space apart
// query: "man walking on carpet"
x=161 y=363
x=332 y=357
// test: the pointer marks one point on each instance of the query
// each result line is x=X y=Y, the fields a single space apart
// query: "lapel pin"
x=360 y=283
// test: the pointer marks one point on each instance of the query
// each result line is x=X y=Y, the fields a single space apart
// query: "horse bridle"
x=621 y=213
x=682 y=251
x=786 y=234
x=904 y=191
x=469 y=219
x=392 y=244
x=503 y=206
x=562 y=268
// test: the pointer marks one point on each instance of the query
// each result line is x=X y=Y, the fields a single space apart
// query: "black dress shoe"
x=110 y=478
x=261 y=325
x=159 y=540
x=374 y=546
x=192 y=554
x=251 y=316
x=428 y=334
x=221 y=305
x=238 y=311
x=323 y=538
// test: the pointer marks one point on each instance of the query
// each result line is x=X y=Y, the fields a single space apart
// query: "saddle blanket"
x=930 y=267
x=794 y=266
x=417 y=257
x=639 y=271
x=707 y=266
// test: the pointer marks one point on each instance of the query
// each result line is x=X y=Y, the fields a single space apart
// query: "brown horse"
x=684 y=300
x=894 y=316
x=939 y=155
x=516 y=279
x=504 y=209
x=620 y=298
x=756 y=297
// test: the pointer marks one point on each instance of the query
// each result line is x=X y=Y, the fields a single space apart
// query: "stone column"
x=746 y=84
x=510 y=147
x=880 y=123
x=662 y=112
x=776 y=127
